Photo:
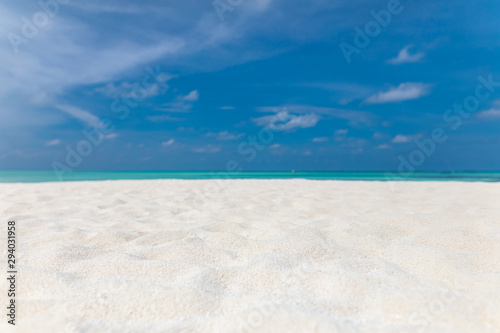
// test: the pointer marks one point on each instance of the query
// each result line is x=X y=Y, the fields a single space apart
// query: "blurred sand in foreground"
x=254 y=256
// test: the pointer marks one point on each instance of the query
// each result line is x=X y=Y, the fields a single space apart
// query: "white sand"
x=254 y=256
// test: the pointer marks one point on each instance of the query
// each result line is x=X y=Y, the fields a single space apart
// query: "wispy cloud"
x=111 y=136
x=285 y=121
x=224 y=136
x=54 y=142
x=348 y=91
x=181 y=107
x=83 y=116
x=193 y=96
x=127 y=89
x=164 y=118
x=259 y=5
x=354 y=117
x=378 y=136
x=341 y=132
x=110 y=8
x=404 y=56
x=400 y=138
x=183 y=104
x=168 y=143
x=404 y=92
x=489 y=114
x=319 y=140
x=278 y=149
x=206 y=149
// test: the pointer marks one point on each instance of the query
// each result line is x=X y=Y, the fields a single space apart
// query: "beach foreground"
x=254 y=256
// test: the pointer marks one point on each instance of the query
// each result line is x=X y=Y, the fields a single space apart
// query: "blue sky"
x=223 y=80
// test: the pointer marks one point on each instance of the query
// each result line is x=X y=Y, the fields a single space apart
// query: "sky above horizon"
x=260 y=84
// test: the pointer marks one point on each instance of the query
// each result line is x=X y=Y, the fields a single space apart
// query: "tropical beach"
x=255 y=256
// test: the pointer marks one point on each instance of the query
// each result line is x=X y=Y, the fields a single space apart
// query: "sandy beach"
x=254 y=256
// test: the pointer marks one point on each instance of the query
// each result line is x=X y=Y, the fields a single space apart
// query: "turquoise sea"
x=50 y=176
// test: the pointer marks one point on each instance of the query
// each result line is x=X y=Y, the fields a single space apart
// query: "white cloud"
x=75 y=51
x=83 y=116
x=400 y=138
x=62 y=56
x=277 y=149
x=284 y=121
x=259 y=5
x=489 y=114
x=54 y=142
x=109 y=8
x=383 y=146
x=164 y=118
x=183 y=104
x=341 y=135
x=111 y=136
x=193 y=96
x=168 y=143
x=318 y=140
x=405 y=57
x=354 y=117
x=206 y=149
x=136 y=89
x=355 y=142
x=181 y=107
x=225 y=136
x=341 y=132
x=345 y=101
x=378 y=136
x=227 y=108
x=404 y=92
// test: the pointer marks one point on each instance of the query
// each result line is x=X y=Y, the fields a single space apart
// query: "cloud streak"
x=404 y=56
x=404 y=92
x=287 y=121
x=489 y=114
x=400 y=138
x=354 y=117
x=83 y=116
x=193 y=96
x=208 y=149
x=225 y=136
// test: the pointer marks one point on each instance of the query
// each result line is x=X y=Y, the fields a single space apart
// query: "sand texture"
x=254 y=256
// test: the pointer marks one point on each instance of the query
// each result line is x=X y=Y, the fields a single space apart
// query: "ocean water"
x=50 y=176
